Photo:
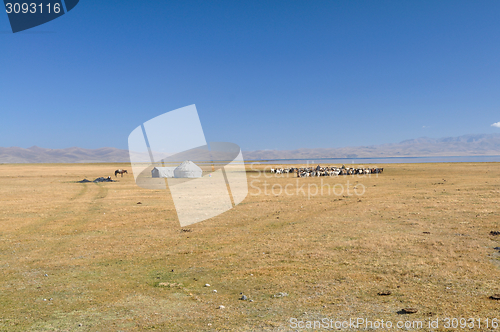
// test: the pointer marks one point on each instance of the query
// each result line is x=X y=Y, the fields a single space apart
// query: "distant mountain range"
x=36 y=154
x=467 y=145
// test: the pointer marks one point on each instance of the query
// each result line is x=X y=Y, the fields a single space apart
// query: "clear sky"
x=263 y=74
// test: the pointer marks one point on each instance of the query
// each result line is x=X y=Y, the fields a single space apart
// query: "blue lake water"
x=387 y=160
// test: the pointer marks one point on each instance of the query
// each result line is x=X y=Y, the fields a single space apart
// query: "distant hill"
x=467 y=145
x=36 y=154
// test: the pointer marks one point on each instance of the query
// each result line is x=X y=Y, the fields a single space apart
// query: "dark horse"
x=120 y=171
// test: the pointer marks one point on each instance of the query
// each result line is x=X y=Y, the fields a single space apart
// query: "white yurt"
x=163 y=172
x=188 y=169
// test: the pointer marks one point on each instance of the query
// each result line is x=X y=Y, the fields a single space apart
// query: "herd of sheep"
x=326 y=171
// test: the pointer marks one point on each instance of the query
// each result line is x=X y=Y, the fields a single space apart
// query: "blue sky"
x=263 y=74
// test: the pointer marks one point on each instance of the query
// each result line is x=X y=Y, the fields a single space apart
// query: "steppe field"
x=88 y=257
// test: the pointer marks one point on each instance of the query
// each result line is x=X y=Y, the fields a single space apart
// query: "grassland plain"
x=88 y=257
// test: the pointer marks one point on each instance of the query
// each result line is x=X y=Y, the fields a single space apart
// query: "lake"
x=387 y=160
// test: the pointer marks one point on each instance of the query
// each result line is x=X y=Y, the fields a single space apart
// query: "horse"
x=120 y=171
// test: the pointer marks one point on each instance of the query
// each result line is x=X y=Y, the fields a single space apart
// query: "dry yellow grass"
x=115 y=265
